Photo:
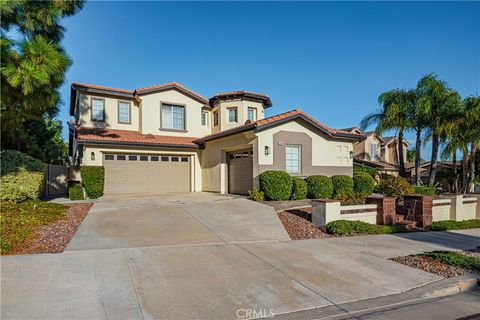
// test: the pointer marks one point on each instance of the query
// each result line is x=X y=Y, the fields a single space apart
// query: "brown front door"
x=137 y=173
x=240 y=172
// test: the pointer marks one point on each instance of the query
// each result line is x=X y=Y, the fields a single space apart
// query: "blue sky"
x=330 y=59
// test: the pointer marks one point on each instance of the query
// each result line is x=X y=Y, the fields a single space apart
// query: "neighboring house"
x=381 y=153
x=167 y=138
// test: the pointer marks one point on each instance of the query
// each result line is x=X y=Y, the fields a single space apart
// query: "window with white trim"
x=232 y=115
x=252 y=114
x=373 y=151
x=123 y=112
x=293 y=158
x=204 y=118
x=173 y=117
x=98 y=110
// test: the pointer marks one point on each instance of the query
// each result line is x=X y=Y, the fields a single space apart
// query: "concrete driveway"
x=126 y=221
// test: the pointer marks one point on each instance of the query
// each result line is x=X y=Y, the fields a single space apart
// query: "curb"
x=440 y=288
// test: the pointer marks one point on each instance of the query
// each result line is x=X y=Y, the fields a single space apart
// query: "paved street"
x=212 y=278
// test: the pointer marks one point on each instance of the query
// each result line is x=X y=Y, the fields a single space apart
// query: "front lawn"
x=18 y=220
x=454 y=225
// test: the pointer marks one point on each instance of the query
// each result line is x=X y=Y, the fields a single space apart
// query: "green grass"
x=456 y=259
x=18 y=220
x=454 y=225
x=345 y=227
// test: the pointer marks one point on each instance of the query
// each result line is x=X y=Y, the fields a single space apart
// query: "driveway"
x=126 y=221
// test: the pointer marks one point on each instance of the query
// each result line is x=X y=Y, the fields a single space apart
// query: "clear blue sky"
x=331 y=60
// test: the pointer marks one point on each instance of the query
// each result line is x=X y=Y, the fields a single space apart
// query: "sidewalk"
x=215 y=281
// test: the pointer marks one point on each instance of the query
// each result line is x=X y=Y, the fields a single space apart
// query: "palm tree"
x=411 y=155
x=394 y=115
x=436 y=103
x=472 y=135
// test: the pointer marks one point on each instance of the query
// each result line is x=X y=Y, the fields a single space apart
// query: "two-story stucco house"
x=381 y=153
x=167 y=138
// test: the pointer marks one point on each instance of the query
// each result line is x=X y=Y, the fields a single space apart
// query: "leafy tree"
x=411 y=154
x=33 y=66
x=394 y=114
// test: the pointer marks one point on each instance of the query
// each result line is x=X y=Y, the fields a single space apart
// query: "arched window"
x=92 y=156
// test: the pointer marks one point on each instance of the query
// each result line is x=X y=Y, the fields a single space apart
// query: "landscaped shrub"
x=75 y=192
x=342 y=185
x=454 y=225
x=319 y=187
x=345 y=227
x=363 y=169
x=22 y=177
x=394 y=186
x=92 y=180
x=456 y=259
x=363 y=183
x=300 y=189
x=256 y=195
x=425 y=190
x=350 y=199
x=276 y=185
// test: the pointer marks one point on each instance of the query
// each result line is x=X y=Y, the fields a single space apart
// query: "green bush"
x=75 y=192
x=22 y=177
x=256 y=195
x=454 y=225
x=276 y=185
x=299 y=190
x=363 y=183
x=92 y=180
x=342 y=185
x=319 y=187
x=363 y=169
x=344 y=227
x=425 y=190
x=456 y=259
x=350 y=199
x=394 y=186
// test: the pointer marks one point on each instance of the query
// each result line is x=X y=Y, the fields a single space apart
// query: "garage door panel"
x=240 y=173
x=124 y=176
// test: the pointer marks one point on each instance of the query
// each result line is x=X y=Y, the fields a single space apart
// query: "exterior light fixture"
x=267 y=150
x=351 y=154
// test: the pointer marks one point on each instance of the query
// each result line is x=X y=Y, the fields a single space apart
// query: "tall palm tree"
x=396 y=105
x=436 y=102
x=472 y=135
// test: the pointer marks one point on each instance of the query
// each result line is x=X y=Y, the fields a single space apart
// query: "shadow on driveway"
x=458 y=240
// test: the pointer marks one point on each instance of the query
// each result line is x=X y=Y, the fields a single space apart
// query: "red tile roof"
x=93 y=86
x=241 y=94
x=286 y=116
x=125 y=136
x=172 y=85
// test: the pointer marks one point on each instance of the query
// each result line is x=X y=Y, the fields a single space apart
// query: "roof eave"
x=122 y=143
x=186 y=92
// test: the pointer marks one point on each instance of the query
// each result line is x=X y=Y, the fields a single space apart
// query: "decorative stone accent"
x=419 y=209
x=385 y=209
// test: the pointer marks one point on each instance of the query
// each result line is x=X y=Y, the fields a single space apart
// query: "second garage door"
x=240 y=172
x=146 y=173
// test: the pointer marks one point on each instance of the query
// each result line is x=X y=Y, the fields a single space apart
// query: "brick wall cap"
x=324 y=200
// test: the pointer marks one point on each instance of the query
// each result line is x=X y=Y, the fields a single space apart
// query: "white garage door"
x=137 y=173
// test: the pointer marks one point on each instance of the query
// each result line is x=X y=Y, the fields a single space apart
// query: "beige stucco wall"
x=441 y=209
x=150 y=119
x=364 y=147
x=326 y=151
x=99 y=151
x=84 y=113
x=242 y=109
x=214 y=160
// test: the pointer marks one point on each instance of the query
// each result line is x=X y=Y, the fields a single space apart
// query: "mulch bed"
x=434 y=266
x=54 y=238
x=299 y=226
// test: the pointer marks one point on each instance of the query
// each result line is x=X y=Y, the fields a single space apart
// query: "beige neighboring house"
x=167 y=138
x=381 y=153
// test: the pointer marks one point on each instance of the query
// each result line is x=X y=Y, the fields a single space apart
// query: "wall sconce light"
x=351 y=154
x=267 y=150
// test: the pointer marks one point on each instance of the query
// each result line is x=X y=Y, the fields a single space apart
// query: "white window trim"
x=255 y=113
x=103 y=107
x=299 y=147
x=164 y=104
x=236 y=114
x=204 y=113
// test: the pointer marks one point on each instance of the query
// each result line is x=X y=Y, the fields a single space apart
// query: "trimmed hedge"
x=342 y=185
x=363 y=183
x=345 y=227
x=22 y=177
x=363 y=169
x=276 y=185
x=300 y=189
x=75 y=192
x=394 y=186
x=454 y=225
x=425 y=190
x=256 y=195
x=92 y=179
x=319 y=187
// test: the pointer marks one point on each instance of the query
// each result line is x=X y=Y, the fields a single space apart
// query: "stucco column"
x=325 y=211
x=456 y=205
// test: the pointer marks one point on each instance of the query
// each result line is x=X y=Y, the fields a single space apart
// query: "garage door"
x=240 y=172
x=146 y=173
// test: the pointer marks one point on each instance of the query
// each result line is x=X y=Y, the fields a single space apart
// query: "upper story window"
x=204 y=118
x=292 y=158
x=373 y=151
x=173 y=117
x=252 y=114
x=215 y=118
x=123 y=112
x=98 y=109
x=232 y=115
